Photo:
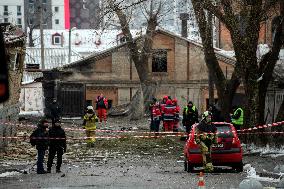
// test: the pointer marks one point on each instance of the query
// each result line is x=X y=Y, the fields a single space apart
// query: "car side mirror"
x=4 y=82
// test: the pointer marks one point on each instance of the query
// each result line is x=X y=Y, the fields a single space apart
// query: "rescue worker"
x=177 y=110
x=216 y=113
x=238 y=118
x=156 y=113
x=169 y=114
x=89 y=124
x=205 y=137
x=39 y=138
x=57 y=145
x=101 y=106
x=190 y=116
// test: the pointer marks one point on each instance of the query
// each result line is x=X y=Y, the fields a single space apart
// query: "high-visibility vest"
x=240 y=120
x=186 y=109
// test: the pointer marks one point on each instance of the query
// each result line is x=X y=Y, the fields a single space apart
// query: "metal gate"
x=273 y=102
x=72 y=99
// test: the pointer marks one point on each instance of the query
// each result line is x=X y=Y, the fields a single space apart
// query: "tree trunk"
x=31 y=41
x=280 y=115
x=136 y=107
x=225 y=89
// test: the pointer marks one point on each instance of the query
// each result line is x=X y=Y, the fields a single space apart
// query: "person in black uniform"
x=39 y=138
x=57 y=145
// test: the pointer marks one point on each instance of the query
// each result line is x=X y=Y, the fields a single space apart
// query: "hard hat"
x=90 y=108
x=165 y=97
x=174 y=100
x=206 y=114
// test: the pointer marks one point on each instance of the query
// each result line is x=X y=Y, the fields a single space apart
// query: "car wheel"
x=238 y=167
x=185 y=165
x=189 y=167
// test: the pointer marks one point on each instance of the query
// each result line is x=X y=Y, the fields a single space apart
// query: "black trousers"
x=51 y=155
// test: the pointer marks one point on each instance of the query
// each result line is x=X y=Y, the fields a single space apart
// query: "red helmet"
x=175 y=100
x=166 y=97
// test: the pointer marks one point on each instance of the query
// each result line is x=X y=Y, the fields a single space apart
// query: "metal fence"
x=273 y=101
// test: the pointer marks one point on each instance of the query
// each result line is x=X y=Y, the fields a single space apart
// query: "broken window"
x=159 y=61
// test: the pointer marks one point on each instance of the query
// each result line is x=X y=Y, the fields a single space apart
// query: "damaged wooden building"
x=177 y=65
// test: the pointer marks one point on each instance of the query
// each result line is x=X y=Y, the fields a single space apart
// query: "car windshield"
x=224 y=131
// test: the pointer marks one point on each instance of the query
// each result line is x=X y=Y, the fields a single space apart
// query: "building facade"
x=177 y=67
x=12 y=11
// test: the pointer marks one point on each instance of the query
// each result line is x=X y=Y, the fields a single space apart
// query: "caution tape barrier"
x=141 y=132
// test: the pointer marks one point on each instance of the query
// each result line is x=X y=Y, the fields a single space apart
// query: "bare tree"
x=225 y=88
x=140 y=49
x=254 y=75
x=32 y=19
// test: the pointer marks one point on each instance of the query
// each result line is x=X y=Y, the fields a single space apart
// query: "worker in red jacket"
x=169 y=114
x=157 y=116
x=101 y=106
x=177 y=110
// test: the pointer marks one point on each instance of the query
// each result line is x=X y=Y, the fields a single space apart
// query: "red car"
x=228 y=151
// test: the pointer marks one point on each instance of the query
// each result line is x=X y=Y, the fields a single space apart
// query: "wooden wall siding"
x=109 y=93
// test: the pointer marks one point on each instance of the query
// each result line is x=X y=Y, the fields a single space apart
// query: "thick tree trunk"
x=225 y=89
x=31 y=41
x=280 y=115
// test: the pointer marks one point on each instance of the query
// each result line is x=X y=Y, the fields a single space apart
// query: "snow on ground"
x=267 y=151
x=9 y=174
x=251 y=173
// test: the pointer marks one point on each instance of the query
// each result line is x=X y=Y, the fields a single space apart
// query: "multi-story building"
x=12 y=11
x=58 y=16
x=33 y=9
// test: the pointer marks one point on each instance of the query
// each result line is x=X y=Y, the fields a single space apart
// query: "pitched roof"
x=107 y=52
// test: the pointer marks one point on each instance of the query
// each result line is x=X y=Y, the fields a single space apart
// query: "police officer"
x=57 y=145
x=39 y=138
x=190 y=116
x=205 y=137
x=238 y=118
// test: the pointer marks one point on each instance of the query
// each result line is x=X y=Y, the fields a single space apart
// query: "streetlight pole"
x=69 y=53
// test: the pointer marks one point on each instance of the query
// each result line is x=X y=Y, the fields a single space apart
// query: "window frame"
x=54 y=40
x=56 y=9
x=157 y=53
x=55 y=21
x=19 y=10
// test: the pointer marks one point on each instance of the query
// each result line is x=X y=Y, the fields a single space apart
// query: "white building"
x=58 y=19
x=12 y=11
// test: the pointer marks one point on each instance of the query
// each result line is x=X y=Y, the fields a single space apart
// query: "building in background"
x=12 y=11
x=84 y=14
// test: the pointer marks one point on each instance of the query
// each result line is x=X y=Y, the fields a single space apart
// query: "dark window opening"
x=56 y=9
x=159 y=61
x=109 y=103
x=89 y=103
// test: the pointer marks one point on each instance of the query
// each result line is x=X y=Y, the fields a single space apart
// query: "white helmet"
x=90 y=108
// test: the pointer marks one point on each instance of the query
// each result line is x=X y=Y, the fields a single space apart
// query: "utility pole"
x=69 y=52
x=41 y=34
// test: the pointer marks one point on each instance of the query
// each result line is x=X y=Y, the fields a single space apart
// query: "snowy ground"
x=129 y=163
